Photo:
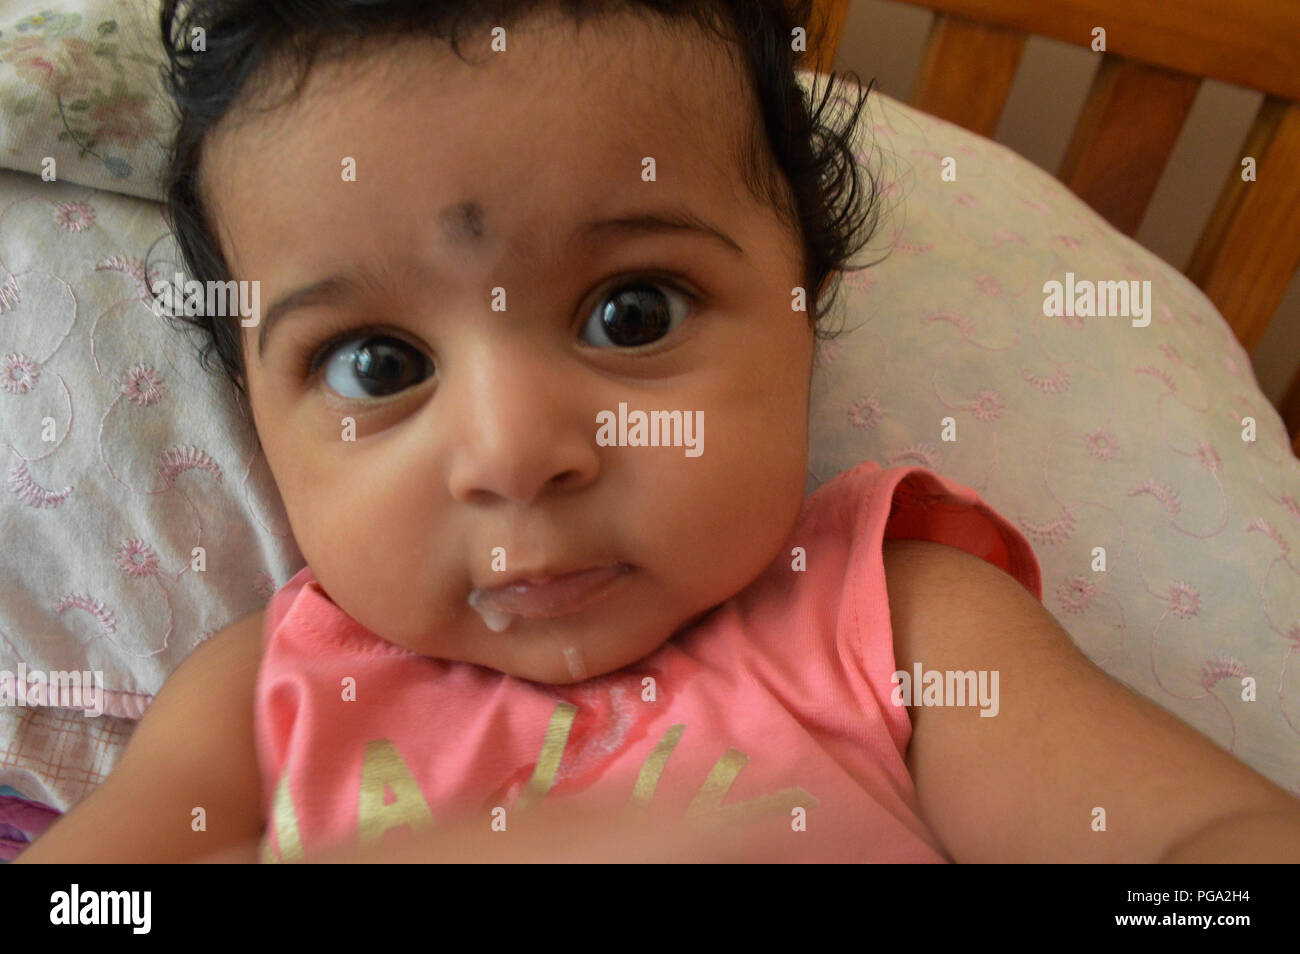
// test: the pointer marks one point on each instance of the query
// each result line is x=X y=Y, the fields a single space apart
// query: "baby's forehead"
x=486 y=148
x=463 y=223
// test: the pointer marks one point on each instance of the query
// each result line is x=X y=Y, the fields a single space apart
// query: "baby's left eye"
x=378 y=365
x=633 y=315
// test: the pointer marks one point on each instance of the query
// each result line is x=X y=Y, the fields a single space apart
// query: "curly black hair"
x=812 y=150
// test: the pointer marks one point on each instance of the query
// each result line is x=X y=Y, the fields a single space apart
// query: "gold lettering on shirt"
x=285 y=821
x=648 y=780
x=548 y=762
x=707 y=804
x=384 y=766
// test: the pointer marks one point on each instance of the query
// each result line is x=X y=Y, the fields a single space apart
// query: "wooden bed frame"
x=1157 y=52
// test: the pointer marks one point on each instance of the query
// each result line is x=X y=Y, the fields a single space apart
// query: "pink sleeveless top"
x=772 y=711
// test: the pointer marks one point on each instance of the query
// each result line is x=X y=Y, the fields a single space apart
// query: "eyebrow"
x=334 y=287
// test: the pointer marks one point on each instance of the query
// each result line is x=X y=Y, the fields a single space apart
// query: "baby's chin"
x=556 y=660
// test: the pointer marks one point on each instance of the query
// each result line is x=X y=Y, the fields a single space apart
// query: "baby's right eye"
x=375 y=365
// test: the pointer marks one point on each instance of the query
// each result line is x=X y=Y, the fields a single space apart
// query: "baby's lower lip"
x=558 y=597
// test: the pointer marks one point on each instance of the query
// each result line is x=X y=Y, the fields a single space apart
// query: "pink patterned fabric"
x=786 y=686
x=22 y=821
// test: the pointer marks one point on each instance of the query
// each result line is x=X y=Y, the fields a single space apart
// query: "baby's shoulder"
x=944 y=600
x=232 y=654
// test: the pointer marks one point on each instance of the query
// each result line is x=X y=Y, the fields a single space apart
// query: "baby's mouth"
x=544 y=598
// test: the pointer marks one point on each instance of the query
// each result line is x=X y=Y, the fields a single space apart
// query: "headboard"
x=1156 y=54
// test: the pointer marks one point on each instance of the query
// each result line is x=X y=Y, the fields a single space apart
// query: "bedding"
x=1135 y=451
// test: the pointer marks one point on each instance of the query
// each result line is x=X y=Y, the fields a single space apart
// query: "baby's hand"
x=559 y=835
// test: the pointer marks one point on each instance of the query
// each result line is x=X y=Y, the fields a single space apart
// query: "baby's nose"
x=522 y=430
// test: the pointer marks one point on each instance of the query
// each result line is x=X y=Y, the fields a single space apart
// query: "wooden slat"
x=966 y=72
x=1251 y=44
x=824 y=35
x=1124 y=136
x=1250 y=248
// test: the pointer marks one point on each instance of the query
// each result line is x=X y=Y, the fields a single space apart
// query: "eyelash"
x=315 y=353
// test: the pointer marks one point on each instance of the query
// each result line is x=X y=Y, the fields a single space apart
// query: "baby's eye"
x=375 y=366
x=634 y=315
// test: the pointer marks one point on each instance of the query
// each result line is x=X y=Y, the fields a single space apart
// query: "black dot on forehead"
x=463 y=222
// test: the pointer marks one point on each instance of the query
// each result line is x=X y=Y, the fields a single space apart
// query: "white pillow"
x=1086 y=432
x=139 y=515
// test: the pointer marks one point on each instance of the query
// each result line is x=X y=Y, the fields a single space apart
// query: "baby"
x=563 y=554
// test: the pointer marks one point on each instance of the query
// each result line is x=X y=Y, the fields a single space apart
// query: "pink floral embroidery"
x=1156 y=373
x=31 y=493
x=1006 y=235
x=1264 y=527
x=9 y=296
x=142 y=385
x=860 y=281
x=1055 y=531
x=1292 y=635
x=74 y=216
x=923 y=454
x=1076 y=594
x=1067 y=241
x=1162 y=492
x=103 y=615
x=1048 y=384
x=19 y=374
x=1102 y=444
x=987 y=406
x=1216 y=670
x=907 y=248
x=960 y=322
x=827 y=351
x=1184 y=601
x=1209 y=459
x=136 y=558
x=128 y=266
x=177 y=460
x=1292 y=506
x=988 y=285
x=865 y=413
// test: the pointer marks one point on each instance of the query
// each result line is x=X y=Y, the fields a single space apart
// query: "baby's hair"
x=811 y=149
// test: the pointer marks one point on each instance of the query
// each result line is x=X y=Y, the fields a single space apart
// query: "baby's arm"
x=1067 y=739
x=192 y=749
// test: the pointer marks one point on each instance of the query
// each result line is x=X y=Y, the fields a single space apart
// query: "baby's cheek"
x=729 y=512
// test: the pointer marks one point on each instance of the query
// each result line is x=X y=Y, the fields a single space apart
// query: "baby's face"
x=475 y=408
